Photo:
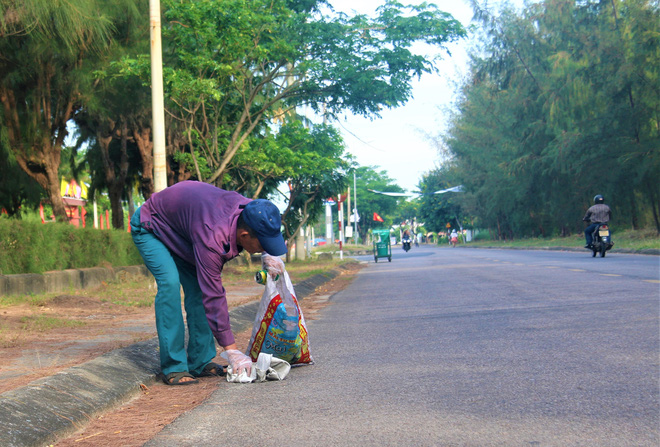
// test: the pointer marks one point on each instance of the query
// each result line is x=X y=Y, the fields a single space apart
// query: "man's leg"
x=588 y=233
x=201 y=344
x=169 y=317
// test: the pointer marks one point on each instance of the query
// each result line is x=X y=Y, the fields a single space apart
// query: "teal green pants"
x=172 y=273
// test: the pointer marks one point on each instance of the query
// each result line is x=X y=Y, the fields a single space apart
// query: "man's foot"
x=587 y=246
x=212 y=369
x=179 y=378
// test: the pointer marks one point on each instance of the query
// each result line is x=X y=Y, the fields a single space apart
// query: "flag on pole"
x=377 y=218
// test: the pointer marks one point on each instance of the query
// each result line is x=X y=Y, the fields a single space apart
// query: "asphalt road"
x=463 y=347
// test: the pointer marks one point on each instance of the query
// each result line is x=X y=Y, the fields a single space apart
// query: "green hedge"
x=33 y=247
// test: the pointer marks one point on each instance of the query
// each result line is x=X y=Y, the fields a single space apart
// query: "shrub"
x=33 y=247
x=483 y=235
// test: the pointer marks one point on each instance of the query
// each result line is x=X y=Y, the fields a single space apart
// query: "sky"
x=401 y=142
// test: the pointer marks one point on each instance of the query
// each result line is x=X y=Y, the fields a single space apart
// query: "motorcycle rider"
x=597 y=214
x=405 y=240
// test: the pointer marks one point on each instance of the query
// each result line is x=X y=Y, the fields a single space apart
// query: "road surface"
x=463 y=347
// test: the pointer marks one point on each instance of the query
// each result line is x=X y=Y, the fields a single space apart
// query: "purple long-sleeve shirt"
x=197 y=222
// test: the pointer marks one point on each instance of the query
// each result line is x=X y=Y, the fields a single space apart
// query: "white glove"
x=238 y=361
x=273 y=264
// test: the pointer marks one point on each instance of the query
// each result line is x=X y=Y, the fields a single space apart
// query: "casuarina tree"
x=48 y=49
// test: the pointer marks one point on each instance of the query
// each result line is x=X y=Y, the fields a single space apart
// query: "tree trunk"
x=115 y=176
x=654 y=198
x=41 y=163
x=114 y=194
x=118 y=209
x=131 y=203
x=634 y=220
x=142 y=137
x=53 y=188
x=541 y=231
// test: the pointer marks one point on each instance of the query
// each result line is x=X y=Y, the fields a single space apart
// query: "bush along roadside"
x=33 y=247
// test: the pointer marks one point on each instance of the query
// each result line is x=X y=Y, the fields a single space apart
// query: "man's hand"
x=273 y=264
x=238 y=361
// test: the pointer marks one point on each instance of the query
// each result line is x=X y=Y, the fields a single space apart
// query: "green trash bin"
x=382 y=246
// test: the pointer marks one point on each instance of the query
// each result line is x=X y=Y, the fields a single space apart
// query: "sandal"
x=212 y=369
x=175 y=378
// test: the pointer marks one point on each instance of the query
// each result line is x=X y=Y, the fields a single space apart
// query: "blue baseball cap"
x=264 y=219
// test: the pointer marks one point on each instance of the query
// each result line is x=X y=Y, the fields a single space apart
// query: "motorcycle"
x=406 y=243
x=601 y=240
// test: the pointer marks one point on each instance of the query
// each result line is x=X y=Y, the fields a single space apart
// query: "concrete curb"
x=51 y=408
x=62 y=280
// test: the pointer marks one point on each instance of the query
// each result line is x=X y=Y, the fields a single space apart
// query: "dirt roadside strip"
x=48 y=409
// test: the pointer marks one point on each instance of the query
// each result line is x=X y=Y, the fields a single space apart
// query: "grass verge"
x=140 y=291
x=627 y=239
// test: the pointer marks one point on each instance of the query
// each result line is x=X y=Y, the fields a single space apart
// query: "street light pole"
x=157 y=101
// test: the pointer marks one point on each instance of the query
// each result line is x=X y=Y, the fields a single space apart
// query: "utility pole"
x=157 y=102
x=341 y=227
x=356 y=237
x=348 y=211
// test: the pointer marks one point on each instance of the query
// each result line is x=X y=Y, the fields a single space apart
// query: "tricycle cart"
x=382 y=246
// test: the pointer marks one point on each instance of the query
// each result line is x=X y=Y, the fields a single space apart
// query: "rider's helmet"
x=598 y=199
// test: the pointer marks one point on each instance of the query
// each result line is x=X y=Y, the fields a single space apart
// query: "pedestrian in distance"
x=597 y=214
x=186 y=234
x=453 y=238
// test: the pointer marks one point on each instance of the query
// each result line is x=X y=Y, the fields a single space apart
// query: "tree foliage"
x=368 y=203
x=315 y=169
x=562 y=103
x=235 y=72
x=48 y=50
x=17 y=189
x=234 y=67
x=438 y=210
x=114 y=124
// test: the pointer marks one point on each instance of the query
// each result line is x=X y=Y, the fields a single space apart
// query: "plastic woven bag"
x=279 y=326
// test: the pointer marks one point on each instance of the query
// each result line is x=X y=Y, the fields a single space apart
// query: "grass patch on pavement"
x=33 y=299
x=300 y=270
x=7 y=337
x=297 y=270
x=334 y=248
x=42 y=323
x=133 y=292
x=147 y=301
